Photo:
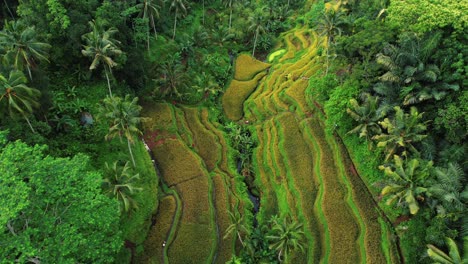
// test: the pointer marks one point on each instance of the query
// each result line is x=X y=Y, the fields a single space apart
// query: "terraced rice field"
x=300 y=169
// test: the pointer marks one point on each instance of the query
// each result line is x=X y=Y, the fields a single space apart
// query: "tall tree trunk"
x=108 y=81
x=203 y=17
x=240 y=238
x=328 y=54
x=29 y=123
x=230 y=13
x=9 y=10
x=153 y=24
x=175 y=24
x=131 y=153
x=255 y=42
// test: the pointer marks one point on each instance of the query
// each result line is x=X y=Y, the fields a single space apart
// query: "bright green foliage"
x=439 y=256
x=58 y=14
x=402 y=131
x=453 y=118
x=287 y=236
x=367 y=115
x=409 y=182
x=21 y=47
x=427 y=15
x=15 y=96
x=56 y=212
x=101 y=47
x=124 y=118
x=119 y=183
x=237 y=226
x=450 y=193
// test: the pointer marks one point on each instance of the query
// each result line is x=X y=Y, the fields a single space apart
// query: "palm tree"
x=149 y=10
x=286 y=235
x=367 y=115
x=119 y=182
x=123 y=115
x=101 y=47
x=17 y=97
x=22 y=47
x=257 y=21
x=329 y=26
x=449 y=191
x=177 y=5
x=454 y=256
x=174 y=78
x=409 y=182
x=402 y=131
x=237 y=226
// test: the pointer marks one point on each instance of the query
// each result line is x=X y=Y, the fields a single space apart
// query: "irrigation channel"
x=300 y=169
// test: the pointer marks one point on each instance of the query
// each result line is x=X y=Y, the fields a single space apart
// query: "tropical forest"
x=234 y=131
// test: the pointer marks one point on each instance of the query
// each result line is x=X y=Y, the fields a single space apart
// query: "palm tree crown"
x=286 y=235
x=101 y=47
x=16 y=96
x=119 y=183
x=123 y=115
x=21 y=46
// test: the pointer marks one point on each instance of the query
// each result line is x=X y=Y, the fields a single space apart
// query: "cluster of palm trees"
x=272 y=243
x=20 y=50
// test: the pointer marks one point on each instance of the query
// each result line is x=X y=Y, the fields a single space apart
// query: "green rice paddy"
x=300 y=169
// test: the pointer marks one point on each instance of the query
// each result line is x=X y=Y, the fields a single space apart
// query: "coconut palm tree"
x=409 y=182
x=287 y=235
x=119 y=183
x=257 y=21
x=17 y=97
x=22 y=49
x=177 y=5
x=101 y=47
x=401 y=132
x=124 y=118
x=439 y=256
x=237 y=226
x=329 y=25
x=174 y=78
x=149 y=10
x=367 y=115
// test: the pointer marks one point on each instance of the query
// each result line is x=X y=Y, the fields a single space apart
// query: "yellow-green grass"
x=367 y=208
x=291 y=49
x=299 y=34
x=296 y=96
x=269 y=199
x=182 y=127
x=153 y=244
x=204 y=142
x=337 y=213
x=363 y=228
x=162 y=117
x=177 y=162
x=286 y=201
x=225 y=248
x=276 y=54
x=192 y=244
x=246 y=67
x=236 y=94
x=388 y=235
x=322 y=248
x=196 y=224
x=299 y=163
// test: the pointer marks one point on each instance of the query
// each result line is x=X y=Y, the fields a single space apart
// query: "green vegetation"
x=294 y=131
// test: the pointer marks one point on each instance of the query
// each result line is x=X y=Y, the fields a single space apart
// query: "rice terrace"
x=233 y=132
